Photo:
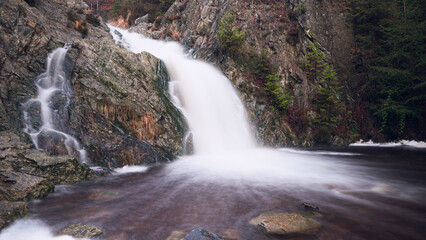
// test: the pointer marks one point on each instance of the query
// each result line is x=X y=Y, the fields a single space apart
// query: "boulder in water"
x=177 y=235
x=202 y=234
x=285 y=223
x=310 y=206
x=81 y=231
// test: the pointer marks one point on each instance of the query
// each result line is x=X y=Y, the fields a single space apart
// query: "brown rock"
x=9 y=211
x=177 y=235
x=81 y=231
x=285 y=223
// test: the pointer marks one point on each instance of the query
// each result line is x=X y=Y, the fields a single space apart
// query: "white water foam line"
x=130 y=169
x=409 y=143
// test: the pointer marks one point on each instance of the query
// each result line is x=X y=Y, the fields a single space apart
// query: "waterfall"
x=216 y=116
x=44 y=115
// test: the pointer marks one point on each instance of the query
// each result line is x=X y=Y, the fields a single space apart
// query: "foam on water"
x=409 y=143
x=290 y=150
x=31 y=229
x=130 y=169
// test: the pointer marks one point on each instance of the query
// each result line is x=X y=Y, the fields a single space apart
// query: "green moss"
x=301 y=8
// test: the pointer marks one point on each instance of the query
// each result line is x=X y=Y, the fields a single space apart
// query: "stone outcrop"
x=26 y=174
x=282 y=29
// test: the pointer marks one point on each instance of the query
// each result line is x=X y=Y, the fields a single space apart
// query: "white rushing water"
x=206 y=98
x=53 y=81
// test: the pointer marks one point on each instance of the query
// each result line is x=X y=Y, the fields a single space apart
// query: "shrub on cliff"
x=281 y=99
x=230 y=36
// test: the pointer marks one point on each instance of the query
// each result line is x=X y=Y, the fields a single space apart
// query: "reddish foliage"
x=297 y=117
x=365 y=122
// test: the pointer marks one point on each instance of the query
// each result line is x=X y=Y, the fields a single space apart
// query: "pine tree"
x=330 y=109
x=314 y=61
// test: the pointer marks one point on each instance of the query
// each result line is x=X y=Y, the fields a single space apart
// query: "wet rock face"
x=285 y=223
x=124 y=96
x=9 y=211
x=119 y=109
x=81 y=231
x=26 y=174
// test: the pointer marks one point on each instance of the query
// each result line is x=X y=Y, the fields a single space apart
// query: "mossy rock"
x=81 y=231
x=285 y=223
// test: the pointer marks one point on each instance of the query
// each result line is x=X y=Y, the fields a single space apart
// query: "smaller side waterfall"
x=44 y=115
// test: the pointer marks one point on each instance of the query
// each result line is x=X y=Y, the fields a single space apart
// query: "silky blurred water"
x=365 y=193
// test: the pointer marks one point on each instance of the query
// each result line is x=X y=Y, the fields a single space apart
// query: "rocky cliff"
x=119 y=110
x=281 y=31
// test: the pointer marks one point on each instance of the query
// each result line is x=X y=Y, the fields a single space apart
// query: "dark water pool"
x=389 y=203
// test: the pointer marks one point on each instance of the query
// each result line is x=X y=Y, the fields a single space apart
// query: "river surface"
x=361 y=192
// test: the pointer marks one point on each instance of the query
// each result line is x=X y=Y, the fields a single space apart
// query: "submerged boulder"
x=196 y=234
x=81 y=231
x=285 y=223
x=202 y=234
x=177 y=235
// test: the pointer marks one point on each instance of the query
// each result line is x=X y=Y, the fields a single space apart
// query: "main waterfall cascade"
x=44 y=115
x=206 y=98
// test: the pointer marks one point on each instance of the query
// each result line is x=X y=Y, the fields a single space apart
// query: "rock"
x=143 y=19
x=17 y=186
x=121 y=106
x=339 y=141
x=81 y=231
x=119 y=98
x=118 y=34
x=309 y=206
x=59 y=169
x=202 y=234
x=27 y=174
x=177 y=235
x=9 y=211
x=285 y=223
